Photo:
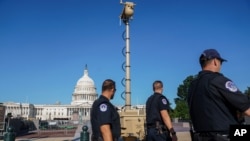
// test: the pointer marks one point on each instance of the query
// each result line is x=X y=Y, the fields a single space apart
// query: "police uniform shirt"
x=103 y=112
x=154 y=105
x=214 y=101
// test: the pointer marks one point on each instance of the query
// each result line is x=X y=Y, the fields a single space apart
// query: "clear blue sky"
x=45 y=44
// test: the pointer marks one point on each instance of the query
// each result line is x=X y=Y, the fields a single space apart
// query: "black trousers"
x=210 y=137
x=100 y=138
x=154 y=135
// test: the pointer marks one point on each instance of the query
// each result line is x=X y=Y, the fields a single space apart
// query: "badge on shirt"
x=231 y=86
x=164 y=101
x=103 y=107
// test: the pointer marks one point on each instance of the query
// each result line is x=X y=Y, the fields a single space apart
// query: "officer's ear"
x=213 y=61
x=216 y=62
x=113 y=89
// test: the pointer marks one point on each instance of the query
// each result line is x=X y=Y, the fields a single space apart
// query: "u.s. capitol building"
x=82 y=99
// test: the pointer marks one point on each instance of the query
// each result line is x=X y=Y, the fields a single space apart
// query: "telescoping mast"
x=132 y=119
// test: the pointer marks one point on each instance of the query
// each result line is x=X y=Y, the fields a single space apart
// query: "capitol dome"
x=85 y=90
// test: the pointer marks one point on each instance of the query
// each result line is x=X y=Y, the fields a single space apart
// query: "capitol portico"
x=83 y=96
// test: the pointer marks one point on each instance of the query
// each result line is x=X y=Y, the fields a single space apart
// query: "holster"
x=158 y=126
x=161 y=128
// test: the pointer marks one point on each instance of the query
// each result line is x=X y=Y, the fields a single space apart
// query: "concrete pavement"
x=182 y=132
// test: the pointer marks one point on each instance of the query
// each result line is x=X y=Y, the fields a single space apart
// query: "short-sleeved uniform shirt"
x=213 y=102
x=103 y=112
x=154 y=105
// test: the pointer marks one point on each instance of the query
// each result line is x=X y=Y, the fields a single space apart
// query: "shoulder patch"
x=231 y=86
x=103 y=107
x=164 y=101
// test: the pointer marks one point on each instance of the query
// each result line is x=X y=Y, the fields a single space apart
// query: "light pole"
x=9 y=115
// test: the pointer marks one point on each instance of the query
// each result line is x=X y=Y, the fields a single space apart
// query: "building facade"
x=83 y=96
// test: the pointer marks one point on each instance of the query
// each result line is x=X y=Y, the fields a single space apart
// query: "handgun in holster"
x=158 y=126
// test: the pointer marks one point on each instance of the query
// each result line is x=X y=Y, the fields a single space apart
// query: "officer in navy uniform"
x=105 y=119
x=159 y=125
x=214 y=100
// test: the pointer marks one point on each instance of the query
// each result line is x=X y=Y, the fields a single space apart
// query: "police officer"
x=214 y=100
x=159 y=126
x=105 y=119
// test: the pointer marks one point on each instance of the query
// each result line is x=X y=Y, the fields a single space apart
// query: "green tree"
x=247 y=91
x=181 y=109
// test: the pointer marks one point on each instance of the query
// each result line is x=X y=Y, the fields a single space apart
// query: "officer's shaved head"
x=157 y=85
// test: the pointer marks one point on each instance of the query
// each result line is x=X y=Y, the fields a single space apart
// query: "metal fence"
x=57 y=127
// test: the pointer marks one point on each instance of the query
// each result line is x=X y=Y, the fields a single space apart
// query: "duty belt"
x=151 y=125
x=157 y=124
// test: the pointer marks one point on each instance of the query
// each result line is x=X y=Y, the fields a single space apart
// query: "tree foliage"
x=247 y=91
x=181 y=109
